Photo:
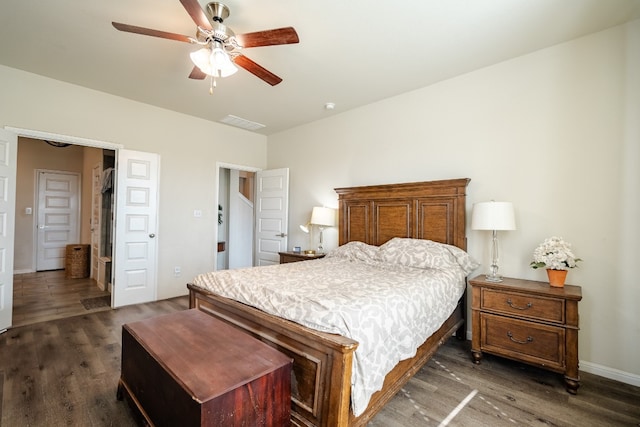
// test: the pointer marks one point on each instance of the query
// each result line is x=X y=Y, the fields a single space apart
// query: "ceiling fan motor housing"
x=219 y=32
x=218 y=12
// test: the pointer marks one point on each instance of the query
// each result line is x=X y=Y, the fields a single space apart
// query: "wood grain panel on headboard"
x=433 y=210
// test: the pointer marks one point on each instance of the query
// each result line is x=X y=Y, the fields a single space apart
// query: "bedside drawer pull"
x=512 y=305
x=510 y=335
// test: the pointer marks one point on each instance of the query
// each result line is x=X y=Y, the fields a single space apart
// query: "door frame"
x=96 y=226
x=56 y=137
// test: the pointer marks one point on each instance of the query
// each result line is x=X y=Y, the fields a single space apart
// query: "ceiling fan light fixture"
x=214 y=61
x=221 y=61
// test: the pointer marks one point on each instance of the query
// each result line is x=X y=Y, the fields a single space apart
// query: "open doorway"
x=253 y=216
x=53 y=212
x=236 y=198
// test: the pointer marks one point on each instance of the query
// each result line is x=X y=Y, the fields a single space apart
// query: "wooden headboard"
x=433 y=210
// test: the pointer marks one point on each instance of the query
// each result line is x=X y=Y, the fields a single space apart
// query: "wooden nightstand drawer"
x=521 y=340
x=523 y=305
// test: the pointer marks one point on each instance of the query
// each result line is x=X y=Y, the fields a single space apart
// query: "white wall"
x=189 y=149
x=556 y=132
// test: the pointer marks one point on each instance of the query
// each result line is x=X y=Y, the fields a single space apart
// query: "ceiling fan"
x=221 y=47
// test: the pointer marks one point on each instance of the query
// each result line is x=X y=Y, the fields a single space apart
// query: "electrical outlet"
x=177 y=271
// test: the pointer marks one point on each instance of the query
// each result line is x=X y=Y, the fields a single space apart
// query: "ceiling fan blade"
x=197 y=14
x=257 y=70
x=149 y=32
x=197 y=74
x=286 y=35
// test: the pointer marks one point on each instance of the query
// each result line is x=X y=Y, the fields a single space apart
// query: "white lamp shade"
x=493 y=216
x=324 y=217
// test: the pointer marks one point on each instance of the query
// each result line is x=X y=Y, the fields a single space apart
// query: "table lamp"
x=494 y=216
x=323 y=217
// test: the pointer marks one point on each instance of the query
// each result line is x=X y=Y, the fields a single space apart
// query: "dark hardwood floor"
x=64 y=372
x=49 y=295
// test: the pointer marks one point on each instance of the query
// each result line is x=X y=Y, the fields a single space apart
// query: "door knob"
x=281 y=235
x=152 y=235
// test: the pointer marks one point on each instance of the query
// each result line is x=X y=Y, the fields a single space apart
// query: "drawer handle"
x=510 y=335
x=512 y=305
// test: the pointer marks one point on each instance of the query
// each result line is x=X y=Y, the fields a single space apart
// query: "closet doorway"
x=57 y=205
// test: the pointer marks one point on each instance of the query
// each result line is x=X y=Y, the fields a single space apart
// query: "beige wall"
x=556 y=132
x=189 y=149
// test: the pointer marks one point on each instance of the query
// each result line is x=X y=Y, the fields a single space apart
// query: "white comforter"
x=389 y=298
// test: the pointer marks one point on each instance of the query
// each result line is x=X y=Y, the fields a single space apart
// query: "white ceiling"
x=350 y=53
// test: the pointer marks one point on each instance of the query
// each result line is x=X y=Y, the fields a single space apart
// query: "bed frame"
x=321 y=378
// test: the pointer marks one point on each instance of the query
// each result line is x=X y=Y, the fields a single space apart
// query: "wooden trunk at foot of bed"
x=321 y=382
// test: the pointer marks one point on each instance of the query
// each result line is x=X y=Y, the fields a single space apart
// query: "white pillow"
x=420 y=253
x=355 y=251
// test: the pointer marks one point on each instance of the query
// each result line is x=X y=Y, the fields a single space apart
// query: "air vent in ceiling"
x=241 y=123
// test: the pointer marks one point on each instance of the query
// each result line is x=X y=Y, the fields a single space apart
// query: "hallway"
x=48 y=295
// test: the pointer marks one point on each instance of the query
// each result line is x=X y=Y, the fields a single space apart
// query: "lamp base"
x=495 y=278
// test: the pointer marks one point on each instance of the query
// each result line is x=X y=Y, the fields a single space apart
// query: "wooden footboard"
x=321 y=377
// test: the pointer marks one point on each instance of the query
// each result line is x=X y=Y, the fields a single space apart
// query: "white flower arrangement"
x=554 y=253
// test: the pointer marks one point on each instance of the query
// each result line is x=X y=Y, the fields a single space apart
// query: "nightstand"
x=286 y=257
x=527 y=321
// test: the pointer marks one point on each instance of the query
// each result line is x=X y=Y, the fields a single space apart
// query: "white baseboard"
x=602 y=371
x=611 y=373
x=23 y=271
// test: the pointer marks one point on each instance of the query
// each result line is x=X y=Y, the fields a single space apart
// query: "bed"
x=323 y=361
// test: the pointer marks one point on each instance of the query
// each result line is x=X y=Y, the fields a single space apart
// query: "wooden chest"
x=190 y=369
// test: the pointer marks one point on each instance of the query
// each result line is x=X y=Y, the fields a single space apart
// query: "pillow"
x=354 y=251
x=421 y=253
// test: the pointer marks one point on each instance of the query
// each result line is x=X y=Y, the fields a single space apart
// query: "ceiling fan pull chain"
x=213 y=84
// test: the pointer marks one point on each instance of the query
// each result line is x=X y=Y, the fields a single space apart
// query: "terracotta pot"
x=557 y=277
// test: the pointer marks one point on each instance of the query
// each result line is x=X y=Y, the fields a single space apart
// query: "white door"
x=58 y=213
x=96 y=213
x=8 y=162
x=134 y=269
x=272 y=215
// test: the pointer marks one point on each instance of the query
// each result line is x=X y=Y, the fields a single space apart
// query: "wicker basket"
x=77 y=262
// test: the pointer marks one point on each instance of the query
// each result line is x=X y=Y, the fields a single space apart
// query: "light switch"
x=28 y=211
x=197 y=213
